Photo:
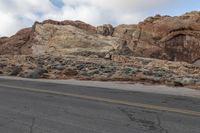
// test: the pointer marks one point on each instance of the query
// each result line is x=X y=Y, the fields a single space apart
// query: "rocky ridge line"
x=161 y=49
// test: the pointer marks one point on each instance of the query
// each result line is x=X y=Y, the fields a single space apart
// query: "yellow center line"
x=107 y=100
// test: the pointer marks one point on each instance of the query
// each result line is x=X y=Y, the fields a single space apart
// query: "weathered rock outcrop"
x=106 y=30
x=69 y=39
x=53 y=37
x=74 y=49
x=3 y=40
x=78 y=24
x=172 y=38
x=15 y=44
x=163 y=37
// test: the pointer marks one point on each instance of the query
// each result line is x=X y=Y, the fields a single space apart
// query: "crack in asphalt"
x=148 y=124
x=162 y=130
x=127 y=113
x=4 y=124
x=32 y=124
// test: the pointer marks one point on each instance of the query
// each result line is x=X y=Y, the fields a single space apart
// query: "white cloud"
x=8 y=24
x=107 y=11
x=16 y=14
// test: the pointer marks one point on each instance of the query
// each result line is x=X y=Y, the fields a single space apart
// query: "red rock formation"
x=172 y=38
x=3 y=40
x=78 y=24
x=14 y=44
x=22 y=41
x=163 y=37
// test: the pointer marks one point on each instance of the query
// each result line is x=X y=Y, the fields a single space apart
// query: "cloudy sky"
x=16 y=14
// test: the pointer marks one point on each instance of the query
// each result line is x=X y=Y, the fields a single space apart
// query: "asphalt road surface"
x=39 y=107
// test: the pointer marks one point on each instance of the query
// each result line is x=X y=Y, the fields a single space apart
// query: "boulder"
x=197 y=63
x=70 y=72
x=15 y=70
x=35 y=73
x=105 y=30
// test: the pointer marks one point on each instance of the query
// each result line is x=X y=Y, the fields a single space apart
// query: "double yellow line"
x=107 y=100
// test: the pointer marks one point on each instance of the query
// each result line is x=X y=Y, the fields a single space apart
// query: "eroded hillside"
x=155 y=50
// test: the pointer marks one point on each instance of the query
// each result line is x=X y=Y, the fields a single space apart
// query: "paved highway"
x=41 y=107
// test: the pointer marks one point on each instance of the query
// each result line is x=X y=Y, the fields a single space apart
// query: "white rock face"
x=67 y=39
x=38 y=49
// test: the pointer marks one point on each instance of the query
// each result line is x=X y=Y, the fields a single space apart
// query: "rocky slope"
x=74 y=49
x=163 y=37
x=120 y=68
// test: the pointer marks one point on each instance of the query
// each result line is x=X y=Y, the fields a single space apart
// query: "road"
x=41 y=107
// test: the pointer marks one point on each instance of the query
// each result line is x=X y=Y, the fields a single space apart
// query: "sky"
x=17 y=14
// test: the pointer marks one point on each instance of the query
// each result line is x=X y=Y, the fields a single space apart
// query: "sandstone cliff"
x=161 y=49
x=174 y=38
x=163 y=37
